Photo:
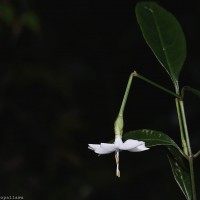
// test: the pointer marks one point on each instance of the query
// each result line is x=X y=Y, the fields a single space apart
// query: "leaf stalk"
x=156 y=85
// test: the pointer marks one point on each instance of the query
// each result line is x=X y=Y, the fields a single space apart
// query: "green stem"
x=121 y=111
x=188 y=88
x=185 y=127
x=181 y=128
x=156 y=85
x=197 y=154
x=191 y=157
x=182 y=123
x=192 y=178
x=119 y=122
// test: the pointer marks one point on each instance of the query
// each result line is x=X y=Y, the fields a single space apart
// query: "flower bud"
x=118 y=126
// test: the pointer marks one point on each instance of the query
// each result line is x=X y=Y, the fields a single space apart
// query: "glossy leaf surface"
x=165 y=37
x=180 y=172
x=150 y=137
x=176 y=159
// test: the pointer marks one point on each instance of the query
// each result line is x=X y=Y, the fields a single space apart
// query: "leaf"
x=150 y=137
x=190 y=89
x=175 y=155
x=180 y=172
x=165 y=37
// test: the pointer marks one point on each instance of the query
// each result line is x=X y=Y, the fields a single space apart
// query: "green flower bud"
x=118 y=126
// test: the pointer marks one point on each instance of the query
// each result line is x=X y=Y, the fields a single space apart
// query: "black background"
x=61 y=88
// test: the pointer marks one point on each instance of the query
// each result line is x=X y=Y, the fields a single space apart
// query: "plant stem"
x=190 y=154
x=196 y=154
x=185 y=127
x=121 y=111
x=181 y=128
x=156 y=85
x=192 y=178
x=182 y=123
x=119 y=122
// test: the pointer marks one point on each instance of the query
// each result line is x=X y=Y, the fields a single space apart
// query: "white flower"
x=129 y=145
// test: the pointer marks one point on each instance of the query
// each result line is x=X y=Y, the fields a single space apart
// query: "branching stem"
x=183 y=128
x=182 y=123
x=189 y=150
x=197 y=154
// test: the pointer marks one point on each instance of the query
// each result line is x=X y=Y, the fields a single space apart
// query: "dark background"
x=63 y=74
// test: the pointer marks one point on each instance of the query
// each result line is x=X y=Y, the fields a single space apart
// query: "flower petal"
x=139 y=148
x=93 y=146
x=118 y=142
x=101 y=150
x=108 y=147
x=130 y=144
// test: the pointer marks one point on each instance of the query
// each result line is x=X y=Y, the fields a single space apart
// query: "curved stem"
x=188 y=88
x=196 y=154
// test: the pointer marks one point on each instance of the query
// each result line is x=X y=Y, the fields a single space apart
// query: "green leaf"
x=180 y=172
x=150 y=137
x=190 y=89
x=165 y=37
x=175 y=155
